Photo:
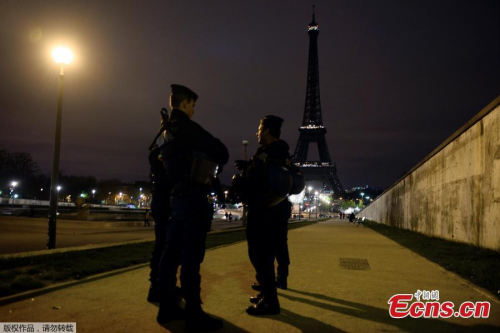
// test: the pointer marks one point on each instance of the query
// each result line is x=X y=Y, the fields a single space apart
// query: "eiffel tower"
x=312 y=129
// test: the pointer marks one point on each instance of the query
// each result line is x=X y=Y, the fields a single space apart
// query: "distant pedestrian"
x=230 y=216
x=227 y=216
x=351 y=217
x=146 y=218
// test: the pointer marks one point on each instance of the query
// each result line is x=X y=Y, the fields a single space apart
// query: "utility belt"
x=187 y=188
x=203 y=170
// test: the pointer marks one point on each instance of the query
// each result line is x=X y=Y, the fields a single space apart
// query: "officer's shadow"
x=178 y=326
x=365 y=312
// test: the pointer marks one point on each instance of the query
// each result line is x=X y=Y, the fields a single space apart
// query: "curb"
x=71 y=249
x=37 y=292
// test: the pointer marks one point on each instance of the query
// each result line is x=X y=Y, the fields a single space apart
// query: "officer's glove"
x=241 y=165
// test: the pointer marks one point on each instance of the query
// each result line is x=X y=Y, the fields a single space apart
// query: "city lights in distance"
x=62 y=55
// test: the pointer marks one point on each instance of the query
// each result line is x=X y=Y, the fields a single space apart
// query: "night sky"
x=397 y=77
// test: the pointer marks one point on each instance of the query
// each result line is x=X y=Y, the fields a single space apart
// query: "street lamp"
x=58 y=190
x=245 y=144
x=301 y=198
x=309 y=198
x=13 y=184
x=362 y=195
x=244 y=217
x=316 y=206
x=61 y=56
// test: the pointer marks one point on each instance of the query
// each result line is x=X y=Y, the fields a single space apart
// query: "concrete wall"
x=454 y=193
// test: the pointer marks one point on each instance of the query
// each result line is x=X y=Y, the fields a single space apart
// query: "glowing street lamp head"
x=62 y=55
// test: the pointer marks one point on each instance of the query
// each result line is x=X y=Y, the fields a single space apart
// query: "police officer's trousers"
x=185 y=245
x=160 y=210
x=262 y=229
x=282 y=254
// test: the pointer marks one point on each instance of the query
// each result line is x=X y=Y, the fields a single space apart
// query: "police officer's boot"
x=267 y=302
x=255 y=299
x=281 y=282
x=256 y=286
x=154 y=293
x=198 y=321
x=170 y=308
x=267 y=305
x=281 y=279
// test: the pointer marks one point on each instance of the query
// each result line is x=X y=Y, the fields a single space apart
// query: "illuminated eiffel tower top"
x=312 y=109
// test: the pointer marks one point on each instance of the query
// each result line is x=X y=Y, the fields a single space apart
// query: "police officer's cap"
x=178 y=89
x=273 y=123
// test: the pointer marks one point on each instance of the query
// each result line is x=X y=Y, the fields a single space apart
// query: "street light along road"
x=61 y=56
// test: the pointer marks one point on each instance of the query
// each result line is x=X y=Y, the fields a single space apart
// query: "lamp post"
x=61 y=56
x=140 y=197
x=245 y=144
x=244 y=217
x=300 y=203
x=309 y=199
x=316 y=206
x=58 y=190
x=362 y=200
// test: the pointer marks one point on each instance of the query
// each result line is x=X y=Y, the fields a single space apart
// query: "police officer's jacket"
x=185 y=139
x=267 y=179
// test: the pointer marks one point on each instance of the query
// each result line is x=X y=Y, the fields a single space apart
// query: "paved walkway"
x=323 y=296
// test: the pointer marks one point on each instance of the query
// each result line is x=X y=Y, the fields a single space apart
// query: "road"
x=23 y=234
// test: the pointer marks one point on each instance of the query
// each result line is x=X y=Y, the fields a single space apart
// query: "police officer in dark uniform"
x=267 y=183
x=191 y=158
x=161 y=190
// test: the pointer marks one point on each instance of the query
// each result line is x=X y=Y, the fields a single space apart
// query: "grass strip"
x=21 y=274
x=478 y=265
